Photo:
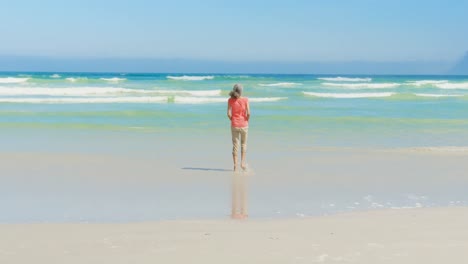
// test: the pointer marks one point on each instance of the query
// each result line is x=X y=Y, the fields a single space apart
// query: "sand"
x=426 y=235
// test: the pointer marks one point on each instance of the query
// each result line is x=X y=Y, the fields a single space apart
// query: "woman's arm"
x=229 y=112
x=247 y=112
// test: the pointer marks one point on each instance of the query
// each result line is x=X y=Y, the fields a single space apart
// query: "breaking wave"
x=282 y=84
x=13 y=80
x=190 y=78
x=461 y=85
x=97 y=91
x=363 y=85
x=426 y=82
x=345 y=79
x=141 y=99
x=131 y=99
x=348 y=95
x=115 y=79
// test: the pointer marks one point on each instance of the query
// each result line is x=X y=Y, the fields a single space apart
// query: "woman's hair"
x=236 y=91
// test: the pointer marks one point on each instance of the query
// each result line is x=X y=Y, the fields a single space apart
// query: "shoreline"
x=424 y=235
x=95 y=186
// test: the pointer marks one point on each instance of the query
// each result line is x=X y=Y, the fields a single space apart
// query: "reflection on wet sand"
x=239 y=195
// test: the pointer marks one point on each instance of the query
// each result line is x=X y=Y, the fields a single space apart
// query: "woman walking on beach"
x=238 y=112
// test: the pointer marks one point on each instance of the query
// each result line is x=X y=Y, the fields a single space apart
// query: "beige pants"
x=239 y=132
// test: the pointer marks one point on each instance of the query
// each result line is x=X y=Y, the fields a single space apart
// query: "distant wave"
x=236 y=76
x=199 y=100
x=348 y=95
x=55 y=76
x=438 y=95
x=72 y=79
x=188 y=92
x=426 y=82
x=345 y=79
x=115 y=79
x=86 y=100
x=267 y=99
x=13 y=80
x=89 y=91
x=190 y=78
x=362 y=85
x=77 y=91
x=461 y=85
x=131 y=99
x=282 y=84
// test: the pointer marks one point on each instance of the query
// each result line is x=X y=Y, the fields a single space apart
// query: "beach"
x=436 y=235
x=125 y=168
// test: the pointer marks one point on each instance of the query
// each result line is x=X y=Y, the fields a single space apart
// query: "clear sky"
x=242 y=30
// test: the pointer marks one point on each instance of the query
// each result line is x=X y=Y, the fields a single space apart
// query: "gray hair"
x=236 y=91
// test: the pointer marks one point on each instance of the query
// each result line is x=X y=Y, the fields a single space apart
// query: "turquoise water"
x=326 y=110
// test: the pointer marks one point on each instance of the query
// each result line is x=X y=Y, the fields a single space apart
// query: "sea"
x=124 y=147
x=328 y=110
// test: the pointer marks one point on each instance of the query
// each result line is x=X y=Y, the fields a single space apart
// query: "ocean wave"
x=236 y=76
x=115 y=79
x=345 y=79
x=200 y=100
x=349 y=95
x=89 y=91
x=438 y=95
x=13 y=80
x=141 y=99
x=363 y=85
x=131 y=99
x=188 y=92
x=55 y=76
x=267 y=99
x=426 y=82
x=282 y=84
x=73 y=79
x=190 y=78
x=78 y=91
x=461 y=85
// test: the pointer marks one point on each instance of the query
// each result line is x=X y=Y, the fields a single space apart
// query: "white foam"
x=349 y=95
x=115 y=79
x=438 y=95
x=13 y=80
x=267 y=99
x=426 y=82
x=188 y=92
x=77 y=91
x=461 y=85
x=345 y=79
x=72 y=79
x=89 y=91
x=200 y=100
x=141 y=99
x=363 y=85
x=282 y=84
x=55 y=76
x=190 y=78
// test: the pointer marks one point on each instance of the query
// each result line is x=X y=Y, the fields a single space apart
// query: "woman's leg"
x=244 y=133
x=235 y=145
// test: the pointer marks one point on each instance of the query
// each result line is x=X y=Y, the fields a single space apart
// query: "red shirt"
x=239 y=111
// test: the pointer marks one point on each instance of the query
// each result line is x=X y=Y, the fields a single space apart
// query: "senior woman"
x=238 y=112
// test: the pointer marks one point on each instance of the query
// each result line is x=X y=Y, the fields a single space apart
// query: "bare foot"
x=244 y=167
x=237 y=216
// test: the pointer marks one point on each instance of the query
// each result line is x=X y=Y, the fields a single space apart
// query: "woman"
x=238 y=112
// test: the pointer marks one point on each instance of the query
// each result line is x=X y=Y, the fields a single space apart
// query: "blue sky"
x=289 y=31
